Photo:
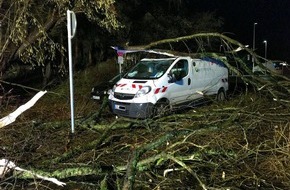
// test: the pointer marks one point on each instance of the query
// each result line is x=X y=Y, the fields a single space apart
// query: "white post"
x=254 y=36
x=120 y=61
x=265 y=42
x=254 y=40
x=71 y=28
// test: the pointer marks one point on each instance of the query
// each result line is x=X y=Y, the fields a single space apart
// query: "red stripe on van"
x=157 y=91
x=164 y=89
x=134 y=86
x=120 y=85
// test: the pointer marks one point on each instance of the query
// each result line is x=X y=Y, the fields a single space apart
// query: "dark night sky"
x=272 y=16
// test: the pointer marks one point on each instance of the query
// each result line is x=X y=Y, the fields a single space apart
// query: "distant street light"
x=221 y=46
x=254 y=40
x=266 y=43
x=254 y=36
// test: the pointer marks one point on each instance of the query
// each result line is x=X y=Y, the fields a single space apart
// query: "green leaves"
x=36 y=31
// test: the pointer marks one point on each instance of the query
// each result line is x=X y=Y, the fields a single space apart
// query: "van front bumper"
x=133 y=110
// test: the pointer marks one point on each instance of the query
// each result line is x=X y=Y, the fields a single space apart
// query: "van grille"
x=123 y=96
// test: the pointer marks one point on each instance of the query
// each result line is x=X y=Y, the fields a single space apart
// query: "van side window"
x=180 y=69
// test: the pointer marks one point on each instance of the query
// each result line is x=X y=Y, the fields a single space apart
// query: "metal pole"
x=1 y=34
x=254 y=40
x=221 y=46
x=254 y=36
x=266 y=44
x=71 y=31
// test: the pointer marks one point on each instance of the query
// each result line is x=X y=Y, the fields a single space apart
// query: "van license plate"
x=96 y=97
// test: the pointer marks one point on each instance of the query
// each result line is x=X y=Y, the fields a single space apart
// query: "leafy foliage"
x=35 y=32
x=28 y=27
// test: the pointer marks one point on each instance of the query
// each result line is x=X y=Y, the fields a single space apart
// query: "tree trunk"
x=15 y=52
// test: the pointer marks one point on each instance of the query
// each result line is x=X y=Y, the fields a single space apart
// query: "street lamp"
x=221 y=46
x=266 y=43
x=254 y=40
x=254 y=35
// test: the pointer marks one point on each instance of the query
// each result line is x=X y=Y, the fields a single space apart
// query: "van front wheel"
x=161 y=108
x=221 y=95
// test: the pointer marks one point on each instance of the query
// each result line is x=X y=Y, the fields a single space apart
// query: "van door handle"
x=189 y=81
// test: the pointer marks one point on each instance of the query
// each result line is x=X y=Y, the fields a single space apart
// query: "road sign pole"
x=71 y=29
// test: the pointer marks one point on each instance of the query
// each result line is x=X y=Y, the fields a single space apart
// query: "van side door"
x=204 y=78
x=179 y=82
x=198 y=79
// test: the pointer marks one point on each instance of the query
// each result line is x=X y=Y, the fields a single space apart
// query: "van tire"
x=221 y=95
x=161 y=108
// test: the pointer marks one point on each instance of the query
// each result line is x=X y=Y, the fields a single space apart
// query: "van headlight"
x=144 y=90
x=114 y=88
x=111 y=91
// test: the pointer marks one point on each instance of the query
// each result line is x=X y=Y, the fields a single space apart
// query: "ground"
x=242 y=143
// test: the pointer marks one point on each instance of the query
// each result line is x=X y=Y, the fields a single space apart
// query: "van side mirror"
x=171 y=78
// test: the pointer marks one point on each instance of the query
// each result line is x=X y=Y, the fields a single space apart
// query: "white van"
x=153 y=84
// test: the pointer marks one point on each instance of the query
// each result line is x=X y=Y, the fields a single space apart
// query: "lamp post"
x=254 y=40
x=254 y=36
x=221 y=46
x=266 y=43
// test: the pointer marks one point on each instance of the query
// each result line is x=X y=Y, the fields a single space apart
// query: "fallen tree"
x=241 y=144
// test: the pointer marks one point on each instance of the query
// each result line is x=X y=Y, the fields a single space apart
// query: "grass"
x=55 y=105
x=241 y=144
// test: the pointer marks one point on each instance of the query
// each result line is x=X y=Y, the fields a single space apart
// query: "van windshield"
x=149 y=69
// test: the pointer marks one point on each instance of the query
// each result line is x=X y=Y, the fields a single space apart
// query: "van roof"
x=158 y=59
x=170 y=58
